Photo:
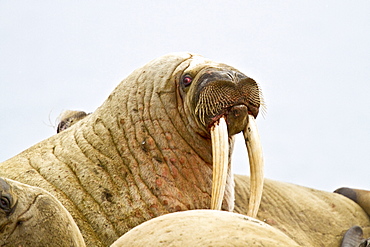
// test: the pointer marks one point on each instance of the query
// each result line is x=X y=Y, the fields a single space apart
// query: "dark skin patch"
x=347 y=192
x=159 y=159
x=107 y=196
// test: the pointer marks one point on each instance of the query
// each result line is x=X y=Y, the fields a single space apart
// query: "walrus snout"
x=226 y=102
x=226 y=93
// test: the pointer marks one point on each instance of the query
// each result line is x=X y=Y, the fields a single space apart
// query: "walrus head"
x=68 y=118
x=222 y=102
x=30 y=216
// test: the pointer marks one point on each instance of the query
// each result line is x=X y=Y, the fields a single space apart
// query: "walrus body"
x=30 y=216
x=204 y=228
x=290 y=215
x=143 y=153
x=309 y=217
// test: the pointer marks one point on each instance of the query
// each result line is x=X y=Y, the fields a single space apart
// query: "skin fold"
x=30 y=216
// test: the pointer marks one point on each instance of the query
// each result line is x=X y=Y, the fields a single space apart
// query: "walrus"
x=68 y=118
x=354 y=236
x=204 y=228
x=290 y=215
x=361 y=197
x=160 y=143
x=30 y=216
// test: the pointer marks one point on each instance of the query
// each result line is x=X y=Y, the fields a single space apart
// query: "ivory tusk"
x=220 y=154
x=253 y=143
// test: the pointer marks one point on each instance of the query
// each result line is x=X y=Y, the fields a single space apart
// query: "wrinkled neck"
x=156 y=144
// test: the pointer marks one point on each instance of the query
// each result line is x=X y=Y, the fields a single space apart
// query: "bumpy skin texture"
x=309 y=217
x=138 y=156
x=30 y=216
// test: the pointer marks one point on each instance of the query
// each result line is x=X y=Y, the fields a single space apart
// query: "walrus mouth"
x=227 y=104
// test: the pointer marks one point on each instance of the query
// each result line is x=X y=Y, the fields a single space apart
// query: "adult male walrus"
x=147 y=150
x=30 y=216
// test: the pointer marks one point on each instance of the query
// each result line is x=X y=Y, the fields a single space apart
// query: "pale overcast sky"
x=311 y=58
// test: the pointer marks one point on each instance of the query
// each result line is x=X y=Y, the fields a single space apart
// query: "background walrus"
x=147 y=150
x=30 y=216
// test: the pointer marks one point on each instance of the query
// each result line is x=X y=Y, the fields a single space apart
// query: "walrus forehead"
x=198 y=64
x=189 y=63
x=221 y=74
x=192 y=64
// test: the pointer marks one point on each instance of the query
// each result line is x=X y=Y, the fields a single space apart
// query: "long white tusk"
x=256 y=163
x=220 y=153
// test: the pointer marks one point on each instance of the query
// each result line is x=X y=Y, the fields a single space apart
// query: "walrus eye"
x=5 y=203
x=187 y=80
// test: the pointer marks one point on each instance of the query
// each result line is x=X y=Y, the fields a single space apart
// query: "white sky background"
x=311 y=58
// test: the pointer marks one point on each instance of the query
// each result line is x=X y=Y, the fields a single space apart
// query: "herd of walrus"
x=152 y=167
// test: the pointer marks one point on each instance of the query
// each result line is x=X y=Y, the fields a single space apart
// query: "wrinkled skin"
x=290 y=215
x=143 y=153
x=30 y=216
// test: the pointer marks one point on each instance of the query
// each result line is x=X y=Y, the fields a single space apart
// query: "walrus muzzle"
x=228 y=103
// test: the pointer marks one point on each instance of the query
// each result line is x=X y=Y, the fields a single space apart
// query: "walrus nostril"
x=219 y=91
